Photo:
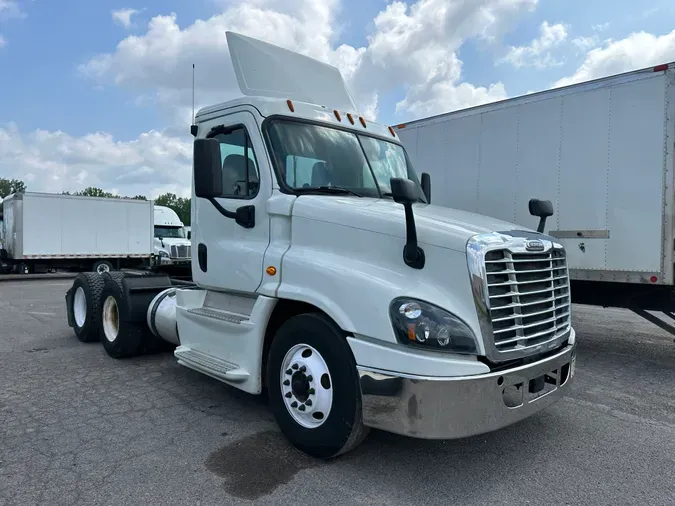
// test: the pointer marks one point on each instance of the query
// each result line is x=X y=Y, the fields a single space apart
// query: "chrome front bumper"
x=449 y=408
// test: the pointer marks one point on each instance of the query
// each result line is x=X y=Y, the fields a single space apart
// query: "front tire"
x=314 y=387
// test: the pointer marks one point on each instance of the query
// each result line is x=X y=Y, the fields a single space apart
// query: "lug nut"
x=308 y=402
x=294 y=366
x=289 y=395
x=289 y=372
x=303 y=369
x=302 y=407
x=287 y=382
x=294 y=404
x=311 y=391
x=310 y=378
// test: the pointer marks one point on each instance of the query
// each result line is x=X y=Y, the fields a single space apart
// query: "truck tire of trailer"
x=101 y=266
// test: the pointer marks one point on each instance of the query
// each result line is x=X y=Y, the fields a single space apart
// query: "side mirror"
x=403 y=190
x=543 y=209
x=426 y=186
x=207 y=168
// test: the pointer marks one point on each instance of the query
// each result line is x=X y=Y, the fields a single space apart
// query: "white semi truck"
x=170 y=243
x=325 y=277
x=44 y=231
x=601 y=151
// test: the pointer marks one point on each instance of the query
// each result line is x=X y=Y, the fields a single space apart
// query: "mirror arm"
x=542 y=224
x=244 y=216
x=413 y=255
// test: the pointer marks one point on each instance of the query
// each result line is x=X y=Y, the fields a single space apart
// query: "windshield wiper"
x=336 y=190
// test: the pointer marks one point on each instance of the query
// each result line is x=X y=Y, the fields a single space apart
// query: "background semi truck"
x=52 y=231
x=600 y=151
x=339 y=289
x=171 y=245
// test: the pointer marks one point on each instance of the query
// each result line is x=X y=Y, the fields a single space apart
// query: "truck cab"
x=324 y=275
x=171 y=245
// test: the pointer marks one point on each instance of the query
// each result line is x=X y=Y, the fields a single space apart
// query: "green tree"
x=9 y=186
x=92 y=191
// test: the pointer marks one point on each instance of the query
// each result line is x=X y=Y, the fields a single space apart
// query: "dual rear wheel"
x=98 y=311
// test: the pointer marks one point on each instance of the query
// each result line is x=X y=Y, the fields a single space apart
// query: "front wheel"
x=314 y=388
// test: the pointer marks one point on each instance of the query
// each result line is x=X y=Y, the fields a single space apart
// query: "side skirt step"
x=218 y=314
x=209 y=365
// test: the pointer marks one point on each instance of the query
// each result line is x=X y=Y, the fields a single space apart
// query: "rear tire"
x=102 y=266
x=322 y=416
x=120 y=337
x=83 y=307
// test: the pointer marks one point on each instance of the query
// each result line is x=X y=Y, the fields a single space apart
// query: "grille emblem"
x=534 y=245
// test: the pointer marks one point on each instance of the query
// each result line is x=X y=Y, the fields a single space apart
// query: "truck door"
x=227 y=256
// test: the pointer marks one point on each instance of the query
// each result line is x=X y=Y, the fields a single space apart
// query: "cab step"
x=212 y=366
x=218 y=314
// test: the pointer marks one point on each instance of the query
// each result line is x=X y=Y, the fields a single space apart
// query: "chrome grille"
x=180 y=251
x=528 y=297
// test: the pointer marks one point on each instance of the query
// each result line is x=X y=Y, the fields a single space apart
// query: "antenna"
x=193 y=93
x=193 y=128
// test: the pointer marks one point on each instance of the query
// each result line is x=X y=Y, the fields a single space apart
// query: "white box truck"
x=600 y=151
x=54 y=231
x=323 y=274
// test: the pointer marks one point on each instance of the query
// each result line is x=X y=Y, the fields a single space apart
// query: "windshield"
x=174 y=232
x=311 y=156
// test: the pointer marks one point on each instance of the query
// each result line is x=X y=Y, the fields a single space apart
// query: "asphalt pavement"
x=77 y=427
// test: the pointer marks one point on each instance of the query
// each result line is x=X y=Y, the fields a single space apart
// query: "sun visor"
x=265 y=70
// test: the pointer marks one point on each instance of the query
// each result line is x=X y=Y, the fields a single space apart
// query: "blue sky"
x=48 y=43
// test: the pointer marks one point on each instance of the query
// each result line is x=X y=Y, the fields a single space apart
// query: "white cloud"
x=10 y=9
x=2 y=42
x=586 y=43
x=414 y=47
x=539 y=52
x=123 y=16
x=600 y=27
x=636 y=51
x=55 y=161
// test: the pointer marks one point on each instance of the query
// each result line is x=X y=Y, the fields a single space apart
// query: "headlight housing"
x=420 y=324
x=163 y=253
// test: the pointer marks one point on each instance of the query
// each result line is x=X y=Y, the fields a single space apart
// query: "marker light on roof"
x=391 y=130
x=659 y=68
x=290 y=105
x=363 y=121
x=337 y=115
x=350 y=118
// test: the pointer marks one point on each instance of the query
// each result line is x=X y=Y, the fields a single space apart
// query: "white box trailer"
x=600 y=151
x=45 y=230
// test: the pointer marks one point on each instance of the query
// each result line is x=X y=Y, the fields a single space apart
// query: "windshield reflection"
x=309 y=156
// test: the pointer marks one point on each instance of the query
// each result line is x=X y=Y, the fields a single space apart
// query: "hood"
x=436 y=225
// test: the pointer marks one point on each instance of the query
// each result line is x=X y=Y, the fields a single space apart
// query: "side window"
x=241 y=177
x=301 y=171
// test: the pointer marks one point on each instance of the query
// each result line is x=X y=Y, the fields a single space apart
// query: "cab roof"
x=276 y=81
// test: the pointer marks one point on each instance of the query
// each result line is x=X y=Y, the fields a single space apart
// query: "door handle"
x=202 y=256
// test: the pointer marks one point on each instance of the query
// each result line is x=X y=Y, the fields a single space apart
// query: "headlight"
x=163 y=253
x=420 y=324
